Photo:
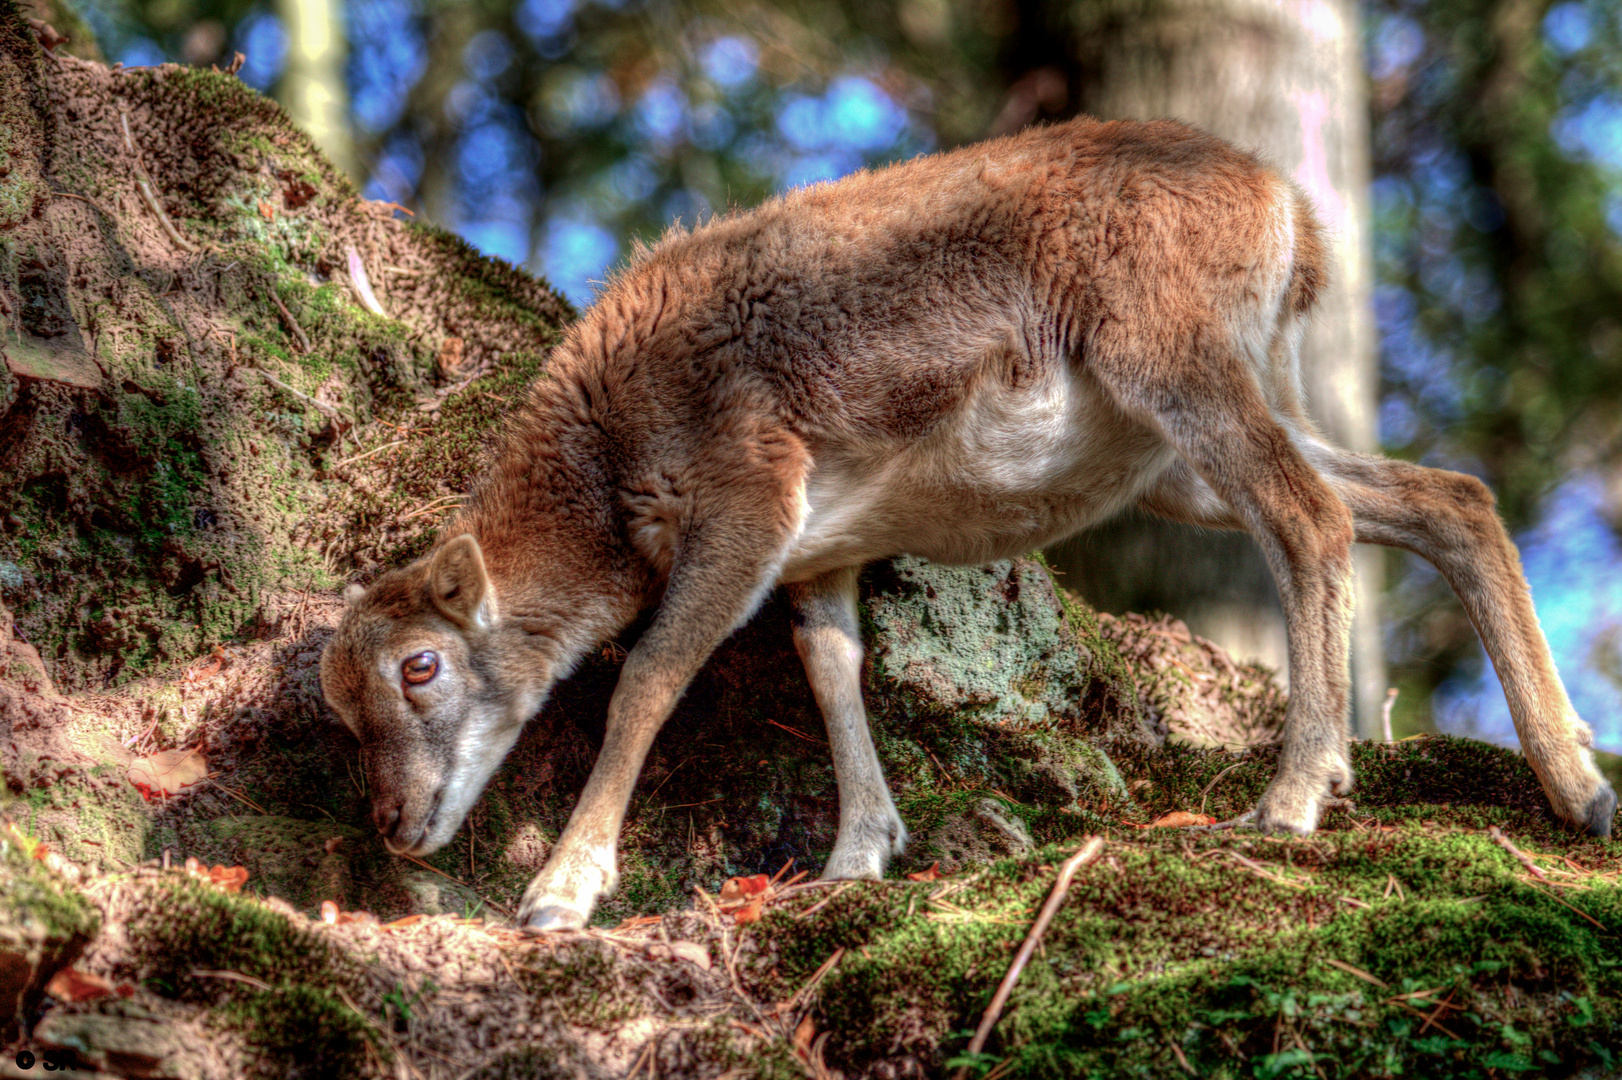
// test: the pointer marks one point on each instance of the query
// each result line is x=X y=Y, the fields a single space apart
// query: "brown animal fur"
x=964 y=357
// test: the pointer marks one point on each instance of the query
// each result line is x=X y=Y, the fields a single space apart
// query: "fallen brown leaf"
x=804 y=1034
x=742 y=888
x=1181 y=819
x=748 y=913
x=933 y=873
x=71 y=984
x=332 y=916
x=168 y=771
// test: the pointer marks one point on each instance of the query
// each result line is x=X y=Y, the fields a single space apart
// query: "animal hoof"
x=553 y=917
x=1601 y=809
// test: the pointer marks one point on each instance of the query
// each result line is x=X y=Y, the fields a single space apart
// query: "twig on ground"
x=428 y=507
x=825 y=901
x=1385 y=712
x=143 y=181
x=1213 y=783
x=319 y=406
x=374 y=450
x=487 y=902
x=299 y=335
x=1352 y=969
x=816 y=977
x=237 y=795
x=102 y=210
x=793 y=731
x=233 y=976
x=1061 y=888
x=1508 y=845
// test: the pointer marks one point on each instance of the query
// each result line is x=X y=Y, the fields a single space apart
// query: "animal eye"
x=420 y=668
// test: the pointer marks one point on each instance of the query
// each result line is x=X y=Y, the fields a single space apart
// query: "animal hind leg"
x=1450 y=520
x=828 y=639
x=1206 y=404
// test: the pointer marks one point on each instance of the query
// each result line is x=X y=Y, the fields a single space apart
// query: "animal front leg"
x=724 y=571
x=827 y=637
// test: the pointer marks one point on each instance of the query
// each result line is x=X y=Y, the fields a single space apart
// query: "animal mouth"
x=396 y=847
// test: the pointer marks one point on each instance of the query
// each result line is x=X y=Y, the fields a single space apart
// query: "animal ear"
x=353 y=592
x=460 y=587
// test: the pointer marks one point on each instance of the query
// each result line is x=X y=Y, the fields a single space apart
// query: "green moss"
x=33 y=894
x=184 y=925
x=304 y=1031
x=580 y=984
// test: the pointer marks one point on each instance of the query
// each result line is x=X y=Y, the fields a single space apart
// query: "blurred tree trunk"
x=1285 y=78
x=313 y=89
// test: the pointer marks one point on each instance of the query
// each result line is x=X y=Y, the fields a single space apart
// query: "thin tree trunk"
x=1286 y=78
x=313 y=88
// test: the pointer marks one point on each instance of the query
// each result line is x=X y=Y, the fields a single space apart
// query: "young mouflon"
x=963 y=357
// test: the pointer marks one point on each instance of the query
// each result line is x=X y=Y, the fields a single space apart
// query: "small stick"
x=234 y=976
x=374 y=450
x=144 y=182
x=465 y=885
x=792 y=731
x=306 y=398
x=106 y=213
x=816 y=977
x=433 y=505
x=825 y=901
x=1212 y=784
x=1385 y=712
x=292 y=323
x=1061 y=888
x=1508 y=845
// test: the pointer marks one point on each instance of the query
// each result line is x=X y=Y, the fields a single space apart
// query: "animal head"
x=421 y=670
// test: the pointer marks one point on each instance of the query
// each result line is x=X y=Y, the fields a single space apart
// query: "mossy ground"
x=1400 y=940
x=189 y=501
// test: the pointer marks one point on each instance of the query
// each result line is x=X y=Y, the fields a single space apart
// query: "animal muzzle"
x=404 y=827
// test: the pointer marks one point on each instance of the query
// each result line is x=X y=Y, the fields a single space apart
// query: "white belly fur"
x=1013 y=470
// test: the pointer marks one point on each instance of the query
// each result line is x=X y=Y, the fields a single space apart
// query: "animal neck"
x=548 y=523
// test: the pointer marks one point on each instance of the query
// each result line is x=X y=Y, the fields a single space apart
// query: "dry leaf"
x=267 y=211
x=804 y=1035
x=71 y=984
x=450 y=356
x=749 y=913
x=168 y=771
x=1181 y=819
x=401 y=923
x=692 y=952
x=332 y=844
x=229 y=878
x=742 y=888
x=932 y=874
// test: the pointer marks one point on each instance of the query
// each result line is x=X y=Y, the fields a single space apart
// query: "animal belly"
x=1003 y=479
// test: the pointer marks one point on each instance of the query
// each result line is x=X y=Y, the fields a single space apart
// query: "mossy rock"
x=44 y=926
x=218 y=421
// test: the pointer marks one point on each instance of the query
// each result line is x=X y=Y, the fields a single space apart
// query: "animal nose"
x=386 y=815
